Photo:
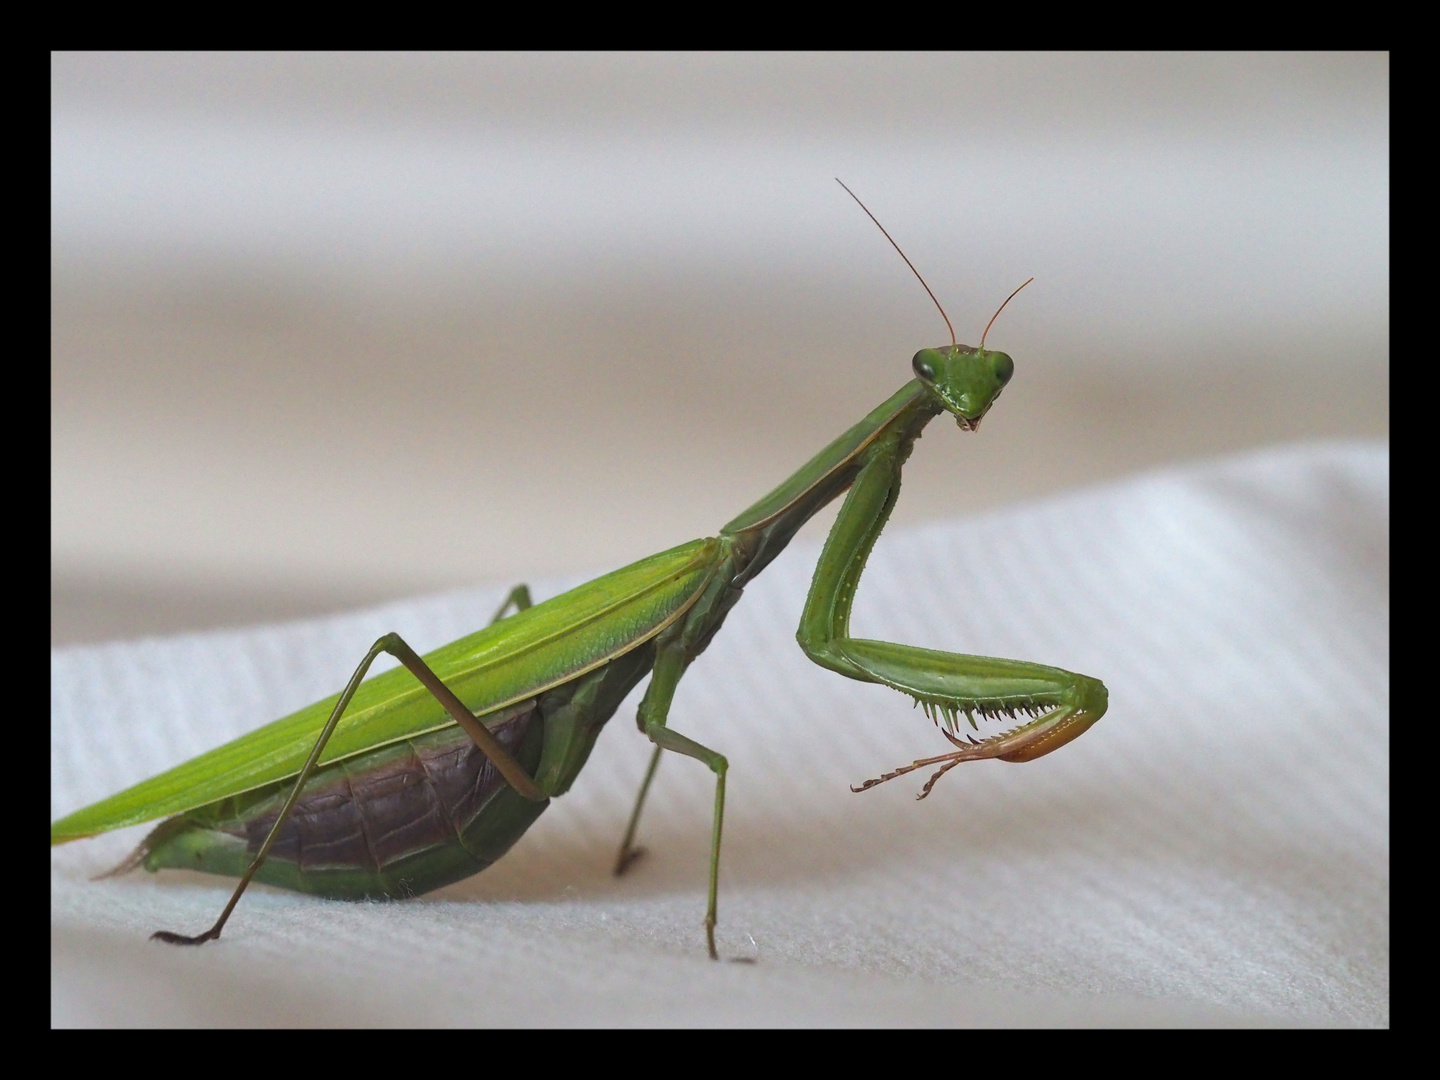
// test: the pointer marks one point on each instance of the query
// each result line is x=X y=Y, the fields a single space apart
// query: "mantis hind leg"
x=1052 y=705
x=393 y=644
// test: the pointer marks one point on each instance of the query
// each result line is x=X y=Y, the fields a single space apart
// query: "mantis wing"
x=514 y=659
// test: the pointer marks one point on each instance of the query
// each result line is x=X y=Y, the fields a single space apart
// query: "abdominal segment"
x=395 y=822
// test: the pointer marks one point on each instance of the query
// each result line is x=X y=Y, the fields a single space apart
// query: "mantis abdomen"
x=408 y=817
x=395 y=822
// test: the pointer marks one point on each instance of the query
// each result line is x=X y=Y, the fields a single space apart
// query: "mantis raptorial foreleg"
x=1057 y=705
x=508 y=767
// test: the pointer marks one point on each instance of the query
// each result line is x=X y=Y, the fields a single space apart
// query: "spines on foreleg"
x=1054 y=720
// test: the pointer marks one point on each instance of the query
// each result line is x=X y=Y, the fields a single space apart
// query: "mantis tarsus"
x=428 y=773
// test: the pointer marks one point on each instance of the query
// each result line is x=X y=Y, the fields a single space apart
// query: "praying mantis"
x=427 y=773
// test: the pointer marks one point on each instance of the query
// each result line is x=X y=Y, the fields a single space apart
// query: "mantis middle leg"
x=1055 y=705
x=671 y=660
x=629 y=852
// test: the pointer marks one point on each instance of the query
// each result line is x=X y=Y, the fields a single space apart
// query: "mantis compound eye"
x=924 y=365
x=1004 y=368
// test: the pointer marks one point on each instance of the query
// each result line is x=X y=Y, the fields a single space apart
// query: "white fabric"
x=1215 y=850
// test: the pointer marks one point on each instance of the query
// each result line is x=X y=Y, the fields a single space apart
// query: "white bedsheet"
x=1215 y=850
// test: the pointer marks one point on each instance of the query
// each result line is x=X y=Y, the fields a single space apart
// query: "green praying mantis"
x=429 y=772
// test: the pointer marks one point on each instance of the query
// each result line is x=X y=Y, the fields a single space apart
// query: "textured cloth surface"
x=1215 y=850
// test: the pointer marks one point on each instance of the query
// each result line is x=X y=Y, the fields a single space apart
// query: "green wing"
x=514 y=659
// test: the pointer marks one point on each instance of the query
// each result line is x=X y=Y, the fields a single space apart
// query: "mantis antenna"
x=912 y=265
x=998 y=310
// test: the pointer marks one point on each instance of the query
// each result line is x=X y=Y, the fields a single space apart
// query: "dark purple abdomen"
x=398 y=821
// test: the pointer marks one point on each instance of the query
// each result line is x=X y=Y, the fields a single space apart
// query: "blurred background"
x=332 y=329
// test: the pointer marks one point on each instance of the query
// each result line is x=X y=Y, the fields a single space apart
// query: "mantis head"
x=962 y=380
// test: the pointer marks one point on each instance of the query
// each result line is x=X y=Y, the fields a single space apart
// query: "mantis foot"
x=171 y=938
x=626 y=858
